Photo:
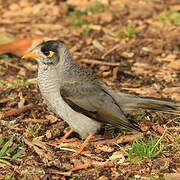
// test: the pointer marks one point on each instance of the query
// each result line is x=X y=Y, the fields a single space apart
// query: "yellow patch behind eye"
x=51 y=53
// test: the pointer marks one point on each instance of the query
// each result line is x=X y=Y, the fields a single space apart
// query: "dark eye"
x=49 y=53
x=46 y=53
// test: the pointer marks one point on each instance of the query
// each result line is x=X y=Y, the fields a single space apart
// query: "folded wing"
x=96 y=103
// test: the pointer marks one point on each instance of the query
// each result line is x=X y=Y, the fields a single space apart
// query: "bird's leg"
x=64 y=138
x=83 y=145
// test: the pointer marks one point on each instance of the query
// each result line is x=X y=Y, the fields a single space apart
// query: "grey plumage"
x=130 y=102
x=80 y=99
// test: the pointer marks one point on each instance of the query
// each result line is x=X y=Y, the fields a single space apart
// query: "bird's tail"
x=129 y=102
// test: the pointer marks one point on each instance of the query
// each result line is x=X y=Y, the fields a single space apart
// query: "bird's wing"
x=96 y=103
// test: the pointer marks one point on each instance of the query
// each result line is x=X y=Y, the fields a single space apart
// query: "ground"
x=132 y=46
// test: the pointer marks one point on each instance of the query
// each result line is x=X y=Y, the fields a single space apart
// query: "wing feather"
x=97 y=104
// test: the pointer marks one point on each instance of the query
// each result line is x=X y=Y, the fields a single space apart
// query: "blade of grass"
x=1 y=140
x=5 y=157
x=12 y=149
x=18 y=154
x=5 y=147
x=159 y=140
x=3 y=161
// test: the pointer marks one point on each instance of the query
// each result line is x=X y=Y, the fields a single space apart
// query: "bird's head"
x=49 y=53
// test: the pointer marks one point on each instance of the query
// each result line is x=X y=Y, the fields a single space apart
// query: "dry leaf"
x=172 y=176
x=168 y=58
x=52 y=118
x=140 y=68
x=118 y=156
x=174 y=64
x=20 y=47
x=173 y=92
x=6 y=38
x=79 y=3
x=104 y=148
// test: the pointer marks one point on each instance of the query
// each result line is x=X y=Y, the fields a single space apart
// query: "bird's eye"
x=49 y=53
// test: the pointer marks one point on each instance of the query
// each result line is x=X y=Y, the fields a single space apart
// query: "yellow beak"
x=31 y=55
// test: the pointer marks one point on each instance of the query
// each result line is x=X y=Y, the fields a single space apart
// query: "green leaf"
x=5 y=147
x=18 y=154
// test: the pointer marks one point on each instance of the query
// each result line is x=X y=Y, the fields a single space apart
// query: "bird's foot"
x=83 y=145
x=64 y=139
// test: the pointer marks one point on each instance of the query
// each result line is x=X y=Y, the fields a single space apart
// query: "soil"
x=144 y=59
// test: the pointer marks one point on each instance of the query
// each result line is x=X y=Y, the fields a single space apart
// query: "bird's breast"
x=48 y=81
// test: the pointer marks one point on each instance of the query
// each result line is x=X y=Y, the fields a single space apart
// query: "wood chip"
x=15 y=112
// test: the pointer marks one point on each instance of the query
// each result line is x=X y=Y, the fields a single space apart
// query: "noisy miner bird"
x=80 y=99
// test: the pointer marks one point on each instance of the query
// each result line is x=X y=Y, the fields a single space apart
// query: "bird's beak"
x=31 y=55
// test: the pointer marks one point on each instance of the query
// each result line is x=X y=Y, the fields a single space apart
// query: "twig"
x=5 y=100
x=109 y=51
x=41 y=151
x=29 y=143
x=43 y=121
x=93 y=61
x=161 y=130
x=122 y=139
x=67 y=149
x=103 y=164
x=53 y=171
x=15 y=112
x=82 y=166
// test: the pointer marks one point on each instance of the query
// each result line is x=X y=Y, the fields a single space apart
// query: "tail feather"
x=130 y=102
x=160 y=105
